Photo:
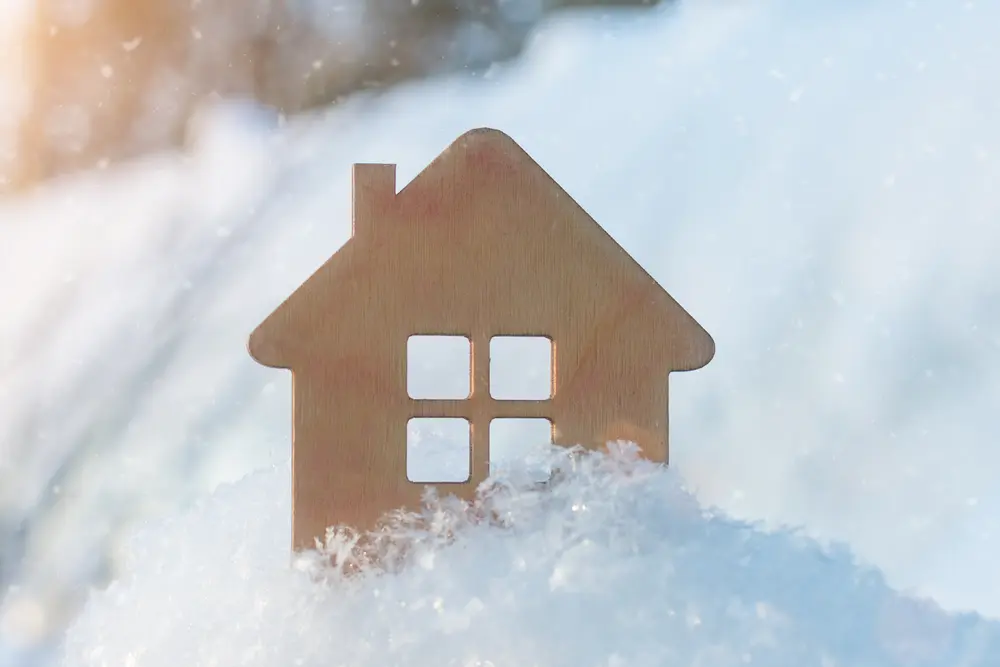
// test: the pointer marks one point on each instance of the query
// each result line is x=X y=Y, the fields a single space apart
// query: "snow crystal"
x=611 y=564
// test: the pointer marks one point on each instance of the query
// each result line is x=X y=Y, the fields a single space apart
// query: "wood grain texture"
x=481 y=243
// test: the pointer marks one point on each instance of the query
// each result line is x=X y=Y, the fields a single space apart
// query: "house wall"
x=351 y=411
x=349 y=462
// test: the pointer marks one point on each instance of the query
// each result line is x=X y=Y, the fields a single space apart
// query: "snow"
x=614 y=564
x=816 y=183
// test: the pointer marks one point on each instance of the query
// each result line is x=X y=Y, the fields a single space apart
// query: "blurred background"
x=816 y=183
x=91 y=82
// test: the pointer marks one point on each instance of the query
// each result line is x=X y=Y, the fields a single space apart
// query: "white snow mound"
x=612 y=564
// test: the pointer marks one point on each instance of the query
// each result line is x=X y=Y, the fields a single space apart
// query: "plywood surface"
x=482 y=243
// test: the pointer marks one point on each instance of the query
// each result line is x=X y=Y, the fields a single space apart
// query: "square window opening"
x=438 y=450
x=438 y=367
x=521 y=368
x=521 y=446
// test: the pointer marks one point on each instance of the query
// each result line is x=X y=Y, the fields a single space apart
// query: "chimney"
x=374 y=190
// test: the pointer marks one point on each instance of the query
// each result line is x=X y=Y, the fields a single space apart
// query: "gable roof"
x=483 y=167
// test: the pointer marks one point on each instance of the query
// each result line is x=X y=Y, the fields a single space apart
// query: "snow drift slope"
x=817 y=183
x=615 y=565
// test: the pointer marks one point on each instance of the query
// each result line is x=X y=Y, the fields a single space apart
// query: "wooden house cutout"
x=481 y=243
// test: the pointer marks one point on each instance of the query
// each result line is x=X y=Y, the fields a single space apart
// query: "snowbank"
x=614 y=565
x=816 y=183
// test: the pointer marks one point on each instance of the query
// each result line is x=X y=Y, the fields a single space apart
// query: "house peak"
x=485 y=134
x=484 y=144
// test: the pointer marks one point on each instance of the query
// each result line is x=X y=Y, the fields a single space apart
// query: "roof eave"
x=265 y=344
x=701 y=351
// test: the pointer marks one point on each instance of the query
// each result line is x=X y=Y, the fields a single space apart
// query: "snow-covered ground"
x=612 y=566
x=816 y=183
